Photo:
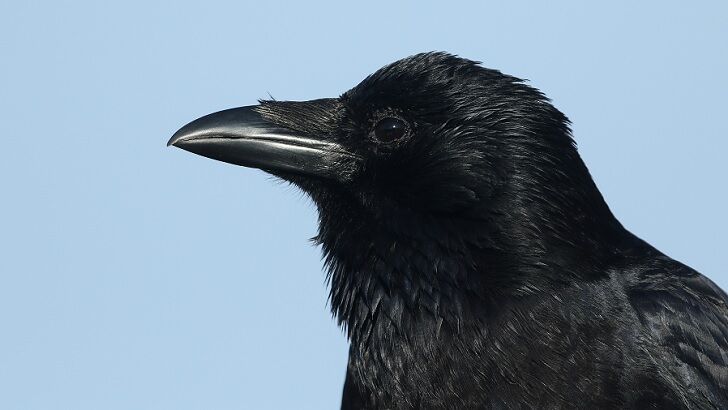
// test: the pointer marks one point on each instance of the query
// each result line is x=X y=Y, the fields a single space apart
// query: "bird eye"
x=390 y=129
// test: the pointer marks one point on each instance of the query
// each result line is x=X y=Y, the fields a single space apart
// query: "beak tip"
x=176 y=138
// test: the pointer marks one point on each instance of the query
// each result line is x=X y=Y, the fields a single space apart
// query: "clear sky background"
x=136 y=276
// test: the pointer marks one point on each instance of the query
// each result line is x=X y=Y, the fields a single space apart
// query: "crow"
x=471 y=259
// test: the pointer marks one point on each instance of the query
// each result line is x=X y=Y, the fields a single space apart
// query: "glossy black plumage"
x=474 y=263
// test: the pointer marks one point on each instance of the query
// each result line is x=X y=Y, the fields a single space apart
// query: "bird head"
x=429 y=157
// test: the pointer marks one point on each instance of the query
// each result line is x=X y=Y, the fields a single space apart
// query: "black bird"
x=471 y=258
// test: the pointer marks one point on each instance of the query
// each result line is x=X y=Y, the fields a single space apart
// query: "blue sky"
x=133 y=276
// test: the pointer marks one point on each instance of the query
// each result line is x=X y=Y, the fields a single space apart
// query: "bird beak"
x=242 y=136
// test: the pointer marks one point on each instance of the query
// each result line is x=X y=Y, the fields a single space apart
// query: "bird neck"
x=408 y=268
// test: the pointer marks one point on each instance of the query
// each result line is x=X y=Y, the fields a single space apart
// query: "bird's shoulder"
x=685 y=316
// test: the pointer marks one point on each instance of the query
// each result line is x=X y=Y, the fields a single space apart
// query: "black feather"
x=474 y=263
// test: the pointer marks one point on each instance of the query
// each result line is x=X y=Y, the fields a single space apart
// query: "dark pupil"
x=389 y=129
